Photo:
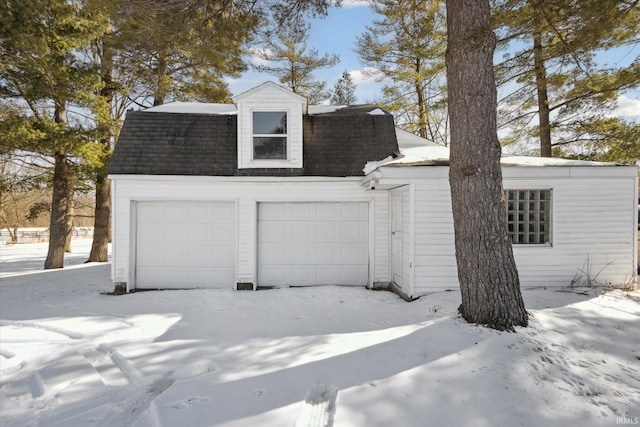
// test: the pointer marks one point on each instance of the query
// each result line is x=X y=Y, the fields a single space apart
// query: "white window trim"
x=287 y=136
x=550 y=243
x=291 y=139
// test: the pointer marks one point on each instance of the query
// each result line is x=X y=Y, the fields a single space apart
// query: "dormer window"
x=269 y=135
x=270 y=122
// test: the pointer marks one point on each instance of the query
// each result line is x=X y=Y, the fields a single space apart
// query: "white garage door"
x=185 y=244
x=303 y=244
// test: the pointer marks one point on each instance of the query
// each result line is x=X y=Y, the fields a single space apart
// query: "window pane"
x=269 y=148
x=269 y=123
x=528 y=216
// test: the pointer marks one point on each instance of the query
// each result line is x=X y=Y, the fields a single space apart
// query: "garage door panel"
x=225 y=213
x=350 y=274
x=185 y=244
x=313 y=244
x=301 y=210
x=274 y=233
x=200 y=233
x=299 y=254
x=351 y=233
x=150 y=233
x=325 y=231
x=354 y=211
x=299 y=231
x=273 y=274
x=199 y=213
x=173 y=212
x=354 y=254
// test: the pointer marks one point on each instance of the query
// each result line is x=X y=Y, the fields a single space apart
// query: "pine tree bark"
x=100 y=245
x=71 y=210
x=487 y=273
x=102 y=212
x=59 y=199
x=162 y=86
x=544 y=128
x=58 y=222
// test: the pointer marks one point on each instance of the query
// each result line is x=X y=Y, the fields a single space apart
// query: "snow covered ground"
x=73 y=356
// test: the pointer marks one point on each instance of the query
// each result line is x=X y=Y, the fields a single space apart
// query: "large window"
x=529 y=216
x=269 y=135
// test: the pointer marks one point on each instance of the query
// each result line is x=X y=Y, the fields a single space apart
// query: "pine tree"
x=487 y=273
x=290 y=61
x=183 y=50
x=556 y=75
x=42 y=71
x=406 y=48
x=344 y=91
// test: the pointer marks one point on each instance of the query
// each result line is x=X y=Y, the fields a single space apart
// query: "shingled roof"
x=336 y=143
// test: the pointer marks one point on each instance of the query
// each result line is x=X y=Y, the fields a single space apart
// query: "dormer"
x=270 y=127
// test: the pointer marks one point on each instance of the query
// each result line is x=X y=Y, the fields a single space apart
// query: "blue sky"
x=337 y=34
x=334 y=34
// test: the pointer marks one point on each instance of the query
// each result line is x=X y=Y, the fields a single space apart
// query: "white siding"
x=246 y=194
x=435 y=261
x=592 y=230
x=593 y=221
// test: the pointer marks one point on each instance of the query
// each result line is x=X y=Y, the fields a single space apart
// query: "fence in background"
x=37 y=235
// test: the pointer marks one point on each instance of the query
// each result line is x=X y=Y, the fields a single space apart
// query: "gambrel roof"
x=337 y=142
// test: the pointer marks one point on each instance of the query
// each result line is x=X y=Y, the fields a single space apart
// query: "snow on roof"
x=437 y=155
x=409 y=140
x=324 y=109
x=194 y=108
x=548 y=161
x=230 y=109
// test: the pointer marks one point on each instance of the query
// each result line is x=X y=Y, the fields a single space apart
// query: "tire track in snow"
x=127 y=397
x=122 y=363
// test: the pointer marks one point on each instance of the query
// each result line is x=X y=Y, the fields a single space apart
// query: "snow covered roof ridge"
x=437 y=155
x=179 y=107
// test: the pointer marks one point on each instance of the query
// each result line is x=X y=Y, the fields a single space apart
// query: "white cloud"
x=355 y=3
x=367 y=75
x=627 y=107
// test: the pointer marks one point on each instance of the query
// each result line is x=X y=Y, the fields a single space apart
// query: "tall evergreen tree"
x=552 y=66
x=344 y=91
x=487 y=273
x=182 y=50
x=406 y=47
x=42 y=71
x=289 y=60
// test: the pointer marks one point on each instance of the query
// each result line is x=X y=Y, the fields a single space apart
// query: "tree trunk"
x=422 y=122
x=487 y=273
x=71 y=209
x=58 y=223
x=100 y=245
x=544 y=127
x=162 y=87
x=13 y=234
x=102 y=213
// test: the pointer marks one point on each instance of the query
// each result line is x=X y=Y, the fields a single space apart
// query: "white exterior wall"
x=593 y=226
x=593 y=218
x=246 y=193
